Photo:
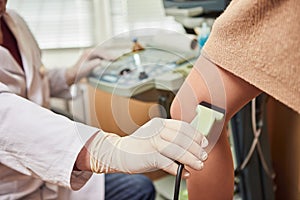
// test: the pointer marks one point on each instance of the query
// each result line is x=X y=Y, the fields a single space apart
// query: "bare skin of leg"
x=212 y=84
x=216 y=179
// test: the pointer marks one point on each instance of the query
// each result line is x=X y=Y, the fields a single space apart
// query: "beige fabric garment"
x=259 y=41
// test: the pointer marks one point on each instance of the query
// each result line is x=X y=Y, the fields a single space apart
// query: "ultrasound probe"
x=204 y=120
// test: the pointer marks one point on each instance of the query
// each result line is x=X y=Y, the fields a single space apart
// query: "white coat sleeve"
x=36 y=142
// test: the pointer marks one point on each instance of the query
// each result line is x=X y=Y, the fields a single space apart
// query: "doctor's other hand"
x=155 y=145
x=89 y=59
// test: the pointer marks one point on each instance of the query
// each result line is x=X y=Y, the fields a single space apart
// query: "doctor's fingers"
x=170 y=166
x=89 y=65
x=182 y=128
x=176 y=152
x=102 y=54
x=194 y=147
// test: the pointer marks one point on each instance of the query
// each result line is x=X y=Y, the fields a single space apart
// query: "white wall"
x=102 y=31
x=53 y=58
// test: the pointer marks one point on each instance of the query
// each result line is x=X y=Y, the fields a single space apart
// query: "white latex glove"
x=87 y=62
x=155 y=145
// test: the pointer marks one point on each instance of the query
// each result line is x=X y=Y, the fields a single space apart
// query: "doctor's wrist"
x=82 y=162
x=70 y=76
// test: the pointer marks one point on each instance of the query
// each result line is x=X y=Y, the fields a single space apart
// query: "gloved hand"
x=155 y=145
x=87 y=62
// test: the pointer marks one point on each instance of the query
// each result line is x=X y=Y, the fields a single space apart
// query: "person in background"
x=44 y=155
x=253 y=48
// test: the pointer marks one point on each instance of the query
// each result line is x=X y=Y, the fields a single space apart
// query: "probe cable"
x=178 y=180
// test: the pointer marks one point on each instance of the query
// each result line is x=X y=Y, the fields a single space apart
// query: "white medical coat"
x=38 y=148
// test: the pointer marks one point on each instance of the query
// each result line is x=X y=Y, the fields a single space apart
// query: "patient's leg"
x=210 y=83
x=216 y=180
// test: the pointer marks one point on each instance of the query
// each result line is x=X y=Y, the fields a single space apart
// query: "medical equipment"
x=206 y=118
x=256 y=128
x=254 y=174
x=136 y=72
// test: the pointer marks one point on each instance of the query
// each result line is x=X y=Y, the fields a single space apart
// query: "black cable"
x=178 y=180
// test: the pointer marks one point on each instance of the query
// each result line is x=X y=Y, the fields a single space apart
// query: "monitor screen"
x=207 y=5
